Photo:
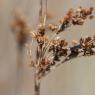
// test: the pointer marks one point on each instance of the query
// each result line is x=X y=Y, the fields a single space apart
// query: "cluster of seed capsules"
x=58 y=48
x=73 y=17
x=50 y=51
x=60 y=53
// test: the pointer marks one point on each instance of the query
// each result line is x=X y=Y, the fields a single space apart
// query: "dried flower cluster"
x=73 y=17
x=50 y=51
x=20 y=28
x=58 y=48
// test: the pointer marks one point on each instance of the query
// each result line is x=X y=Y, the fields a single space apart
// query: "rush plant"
x=53 y=51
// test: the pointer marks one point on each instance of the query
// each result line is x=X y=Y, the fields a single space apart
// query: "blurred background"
x=77 y=77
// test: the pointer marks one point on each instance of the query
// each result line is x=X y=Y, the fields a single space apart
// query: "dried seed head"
x=52 y=27
x=63 y=43
x=41 y=30
x=91 y=17
x=64 y=19
x=87 y=39
x=79 y=9
x=70 y=13
x=74 y=42
x=77 y=21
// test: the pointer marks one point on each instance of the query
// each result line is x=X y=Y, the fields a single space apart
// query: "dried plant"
x=20 y=28
x=52 y=52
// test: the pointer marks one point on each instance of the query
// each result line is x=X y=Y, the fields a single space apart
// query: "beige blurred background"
x=77 y=77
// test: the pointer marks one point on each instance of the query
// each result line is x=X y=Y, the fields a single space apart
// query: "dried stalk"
x=57 y=49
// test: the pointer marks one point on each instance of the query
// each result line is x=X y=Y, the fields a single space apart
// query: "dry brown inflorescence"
x=52 y=52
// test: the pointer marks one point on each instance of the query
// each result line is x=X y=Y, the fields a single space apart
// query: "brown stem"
x=36 y=85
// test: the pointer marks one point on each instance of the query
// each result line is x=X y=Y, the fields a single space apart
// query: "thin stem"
x=45 y=15
x=42 y=20
x=42 y=14
x=37 y=83
x=47 y=46
x=41 y=11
